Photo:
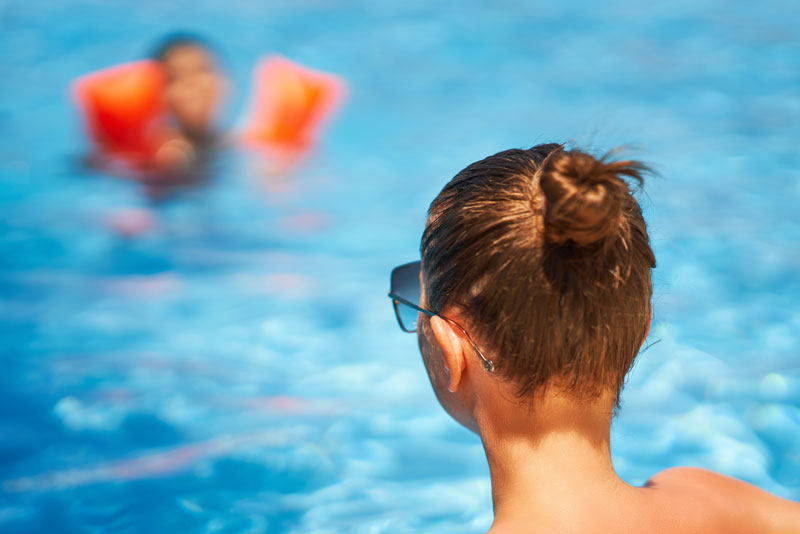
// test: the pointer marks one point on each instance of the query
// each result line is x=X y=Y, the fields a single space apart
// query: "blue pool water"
x=238 y=368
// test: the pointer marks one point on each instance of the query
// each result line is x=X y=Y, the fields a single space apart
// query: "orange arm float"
x=290 y=103
x=123 y=108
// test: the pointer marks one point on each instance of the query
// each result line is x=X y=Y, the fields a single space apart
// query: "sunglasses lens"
x=408 y=317
x=405 y=283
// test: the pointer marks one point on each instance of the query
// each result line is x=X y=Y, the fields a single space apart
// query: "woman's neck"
x=550 y=460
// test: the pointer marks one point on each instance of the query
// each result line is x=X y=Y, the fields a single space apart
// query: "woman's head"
x=544 y=254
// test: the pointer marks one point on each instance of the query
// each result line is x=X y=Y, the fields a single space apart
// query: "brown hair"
x=545 y=253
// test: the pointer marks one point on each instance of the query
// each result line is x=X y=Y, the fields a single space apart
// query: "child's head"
x=195 y=86
x=544 y=254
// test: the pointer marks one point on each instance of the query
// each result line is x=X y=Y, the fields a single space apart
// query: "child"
x=194 y=90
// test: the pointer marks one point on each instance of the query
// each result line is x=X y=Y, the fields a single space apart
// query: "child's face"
x=194 y=88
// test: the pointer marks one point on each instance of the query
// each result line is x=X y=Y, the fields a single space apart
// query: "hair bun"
x=584 y=196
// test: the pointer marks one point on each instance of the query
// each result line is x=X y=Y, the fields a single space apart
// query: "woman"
x=532 y=300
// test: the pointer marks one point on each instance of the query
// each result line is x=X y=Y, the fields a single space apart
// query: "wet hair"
x=545 y=254
x=176 y=40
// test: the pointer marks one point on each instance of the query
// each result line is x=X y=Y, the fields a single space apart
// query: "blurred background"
x=234 y=364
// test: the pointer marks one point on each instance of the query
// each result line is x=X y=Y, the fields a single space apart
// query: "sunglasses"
x=405 y=292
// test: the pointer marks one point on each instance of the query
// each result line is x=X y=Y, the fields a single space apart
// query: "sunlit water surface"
x=237 y=368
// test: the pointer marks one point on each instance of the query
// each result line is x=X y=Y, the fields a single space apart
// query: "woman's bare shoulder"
x=745 y=505
x=516 y=528
x=688 y=478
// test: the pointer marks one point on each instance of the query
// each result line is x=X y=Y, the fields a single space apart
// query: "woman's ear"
x=449 y=339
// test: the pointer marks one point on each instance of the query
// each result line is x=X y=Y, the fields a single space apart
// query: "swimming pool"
x=238 y=368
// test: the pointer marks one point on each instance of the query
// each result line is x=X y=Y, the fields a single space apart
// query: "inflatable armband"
x=289 y=104
x=123 y=107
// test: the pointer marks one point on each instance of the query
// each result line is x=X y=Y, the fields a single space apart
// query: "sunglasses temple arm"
x=410 y=304
x=487 y=363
